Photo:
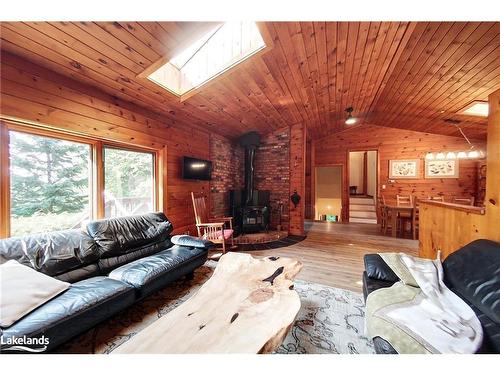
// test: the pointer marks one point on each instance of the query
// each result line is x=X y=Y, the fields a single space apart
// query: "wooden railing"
x=115 y=207
x=447 y=227
x=126 y=206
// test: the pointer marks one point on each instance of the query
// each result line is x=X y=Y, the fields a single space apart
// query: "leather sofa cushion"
x=190 y=241
x=72 y=276
x=491 y=332
x=383 y=347
x=146 y=270
x=82 y=306
x=52 y=253
x=376 y=268
x=473 y=272
x=123 y=235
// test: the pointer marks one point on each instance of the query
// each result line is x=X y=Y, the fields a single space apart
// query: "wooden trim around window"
x=98 y=184
x=4 y=181
x=96 y=162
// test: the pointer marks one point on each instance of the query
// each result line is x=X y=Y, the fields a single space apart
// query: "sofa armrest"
x=376 y=268
x=190 y=241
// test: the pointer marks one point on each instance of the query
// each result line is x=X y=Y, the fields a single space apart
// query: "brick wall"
x=228 y=164
x=272 y=172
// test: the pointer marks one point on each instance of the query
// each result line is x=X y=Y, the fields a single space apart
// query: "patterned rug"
x=330 y=319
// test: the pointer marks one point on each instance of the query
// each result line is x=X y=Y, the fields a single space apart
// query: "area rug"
x=330 y=319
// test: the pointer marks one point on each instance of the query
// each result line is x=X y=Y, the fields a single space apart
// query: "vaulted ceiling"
x=398 y=74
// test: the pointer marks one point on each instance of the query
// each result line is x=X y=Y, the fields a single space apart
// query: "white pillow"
x=22 y=289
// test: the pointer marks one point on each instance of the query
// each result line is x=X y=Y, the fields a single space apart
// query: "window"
x=49 y=183
x=212 y=54
x=50 y=180
x=128 y=182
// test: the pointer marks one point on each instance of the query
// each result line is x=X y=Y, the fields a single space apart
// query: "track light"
x=350 y=120
x=472 y=153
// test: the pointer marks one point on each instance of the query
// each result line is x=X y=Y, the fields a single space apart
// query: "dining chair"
x=404 y=200
x=383 y=199
x=404 y=218
x=415 y=218
x=465 y=201
x=212 y=228
x=386 y=216
x=381 y=213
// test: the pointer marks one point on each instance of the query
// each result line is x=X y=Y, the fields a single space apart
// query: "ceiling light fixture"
x=471 y=153
x=350 y=119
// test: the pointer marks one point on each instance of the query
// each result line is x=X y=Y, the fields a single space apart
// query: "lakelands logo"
x=25 y=344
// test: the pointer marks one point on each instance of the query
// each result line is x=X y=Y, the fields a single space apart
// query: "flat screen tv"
x=196 y=169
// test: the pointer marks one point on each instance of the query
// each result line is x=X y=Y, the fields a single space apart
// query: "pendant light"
x=472 y=153
x=350 y=120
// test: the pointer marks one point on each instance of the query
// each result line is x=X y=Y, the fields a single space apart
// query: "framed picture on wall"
x=441 y=168
x=404 y=168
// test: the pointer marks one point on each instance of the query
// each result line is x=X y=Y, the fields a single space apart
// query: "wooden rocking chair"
x=212 y=229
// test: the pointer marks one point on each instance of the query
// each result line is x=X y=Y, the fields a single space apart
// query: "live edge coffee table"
x=247 y=306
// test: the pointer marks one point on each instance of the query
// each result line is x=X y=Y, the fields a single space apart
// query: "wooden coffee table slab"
x=247 y=306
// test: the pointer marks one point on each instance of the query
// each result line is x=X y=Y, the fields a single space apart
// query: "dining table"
x=394 y=211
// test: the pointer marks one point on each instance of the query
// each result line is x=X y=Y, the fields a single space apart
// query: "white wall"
x=371 y=178
x=356 y=166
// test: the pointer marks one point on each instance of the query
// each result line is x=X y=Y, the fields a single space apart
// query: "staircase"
x=362 y=210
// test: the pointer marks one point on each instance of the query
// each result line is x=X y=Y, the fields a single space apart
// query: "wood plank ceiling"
x=396 y=74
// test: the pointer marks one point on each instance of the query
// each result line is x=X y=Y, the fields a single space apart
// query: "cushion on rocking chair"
x=227 y=233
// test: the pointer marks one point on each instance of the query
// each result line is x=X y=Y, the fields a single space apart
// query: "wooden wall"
x=398 y=144
x=297 y=177
x=309 y=206
x=42 y=96
x=449 y=228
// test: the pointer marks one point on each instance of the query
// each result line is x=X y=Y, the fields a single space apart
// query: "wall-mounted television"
x=196 y=169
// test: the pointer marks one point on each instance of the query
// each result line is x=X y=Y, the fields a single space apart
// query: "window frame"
x=96 y=178
x=105 y=145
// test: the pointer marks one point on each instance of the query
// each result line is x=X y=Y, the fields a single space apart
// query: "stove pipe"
x=250 y=141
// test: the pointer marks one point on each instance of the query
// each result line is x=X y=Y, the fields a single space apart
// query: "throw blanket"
x=420 y=314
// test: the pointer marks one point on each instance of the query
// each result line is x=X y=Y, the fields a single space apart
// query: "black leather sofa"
x=115 y=263
x=472 y=272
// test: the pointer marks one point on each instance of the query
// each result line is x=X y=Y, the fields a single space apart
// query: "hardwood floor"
x=333 y=253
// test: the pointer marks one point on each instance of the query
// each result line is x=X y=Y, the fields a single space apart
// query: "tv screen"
x=196 y=169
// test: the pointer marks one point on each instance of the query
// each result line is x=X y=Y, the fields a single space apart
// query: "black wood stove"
x=249 y=207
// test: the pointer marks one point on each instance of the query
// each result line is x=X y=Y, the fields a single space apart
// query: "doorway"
x=328 y=193
x=363 y=177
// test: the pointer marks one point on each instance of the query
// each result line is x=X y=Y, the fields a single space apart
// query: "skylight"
x=476 y=108
x=182 y=58
x=209 y=56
